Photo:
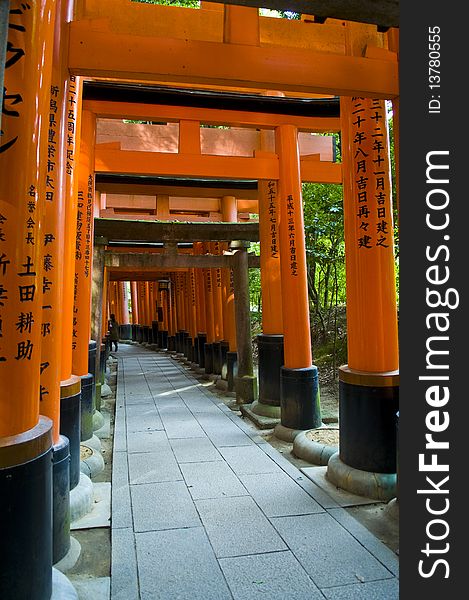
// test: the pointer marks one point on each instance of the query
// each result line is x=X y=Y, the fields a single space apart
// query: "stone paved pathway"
x=204 y=508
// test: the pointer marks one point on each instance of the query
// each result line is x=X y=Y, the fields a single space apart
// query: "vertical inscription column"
x=83 y=273
x=299 y=392
x=209 y=317
x=369 y=383
x=270 y=342
x=25 y=436
x=201 y=316
x=215 y=248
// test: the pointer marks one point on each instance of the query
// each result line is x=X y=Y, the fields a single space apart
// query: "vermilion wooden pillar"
x=299 y=392
x=83 y=349
x=209 y=317
x=369 y=383
x=200 y=310
x=84 y=246
x=215 y=248
x=270 y=342
x=134 y=303
x=25 y=436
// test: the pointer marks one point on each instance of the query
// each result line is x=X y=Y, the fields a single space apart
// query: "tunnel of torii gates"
x=224 y=109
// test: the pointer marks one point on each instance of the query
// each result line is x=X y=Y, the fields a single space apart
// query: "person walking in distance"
x=113 y=327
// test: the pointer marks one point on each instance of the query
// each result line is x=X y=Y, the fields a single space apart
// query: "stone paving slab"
x=179 y=564
x=147 y=441
x=153 y=467
x=124 y=579
x=248 y=460
x=328 y=553
x=143 y=417
x=367 y=539
x=165 y=505
x=387 y=589
x=274 y=576
x=237 y=527
x=190 y=450
x=211 y=480
x=278 y=496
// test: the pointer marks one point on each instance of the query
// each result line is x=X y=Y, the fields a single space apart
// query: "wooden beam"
x=170 y=231
x=151 y=189
x=205 y=166
x=383 y=13
x=96 y=51
x=208 y=116
x=139 y=261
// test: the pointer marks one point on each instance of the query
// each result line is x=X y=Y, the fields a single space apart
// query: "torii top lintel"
x=142 y=42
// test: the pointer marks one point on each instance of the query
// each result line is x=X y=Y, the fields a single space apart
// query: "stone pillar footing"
x=71 y=558
x=378 y=486
x=81 y=498
x=265 y=410
x=286 y=434
x=98 y=420
x=62 y=587
x=246 y=389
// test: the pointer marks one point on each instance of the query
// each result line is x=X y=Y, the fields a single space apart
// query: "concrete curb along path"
x=203 y=507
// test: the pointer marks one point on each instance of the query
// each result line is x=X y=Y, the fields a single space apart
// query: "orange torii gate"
x=230 y=49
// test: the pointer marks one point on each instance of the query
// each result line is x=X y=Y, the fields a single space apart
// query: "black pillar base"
x=86 y=411
x=154 y=330
x=271 y=361
x=190 y=350
x=201 y=340
x=178 y=337
x=76 y=408
x=126 y=331
x=208 y=349
x=172 y=343
x=299 y=398
x=231 y=369
x=217 y=364
x=224 y=348
x=92 y=366
x=102 y=362
x=138 y=333
x=26 y=509
x=195 y=350
x=367 y=422
x=164 y=340
x=91 y=356
x=60 y=499
x=134 y=332
x=185 y=341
